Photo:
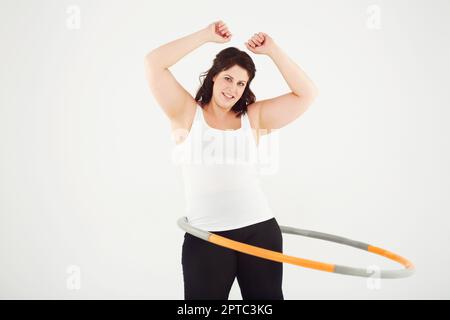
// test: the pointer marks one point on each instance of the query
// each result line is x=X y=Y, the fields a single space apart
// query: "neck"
x=219 y=112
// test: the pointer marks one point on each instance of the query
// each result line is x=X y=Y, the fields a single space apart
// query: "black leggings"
x=209 y=269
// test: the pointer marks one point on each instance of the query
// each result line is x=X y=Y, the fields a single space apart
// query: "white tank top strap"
x=198 y=111
x=246 y=121
x=243 y=122
x=198 y=122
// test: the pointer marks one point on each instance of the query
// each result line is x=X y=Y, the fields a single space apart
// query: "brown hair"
x=224 y=60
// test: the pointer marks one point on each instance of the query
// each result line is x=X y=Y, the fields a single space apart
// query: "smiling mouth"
x=227 y=97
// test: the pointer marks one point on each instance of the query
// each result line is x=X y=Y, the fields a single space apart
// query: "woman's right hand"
x=218 y=32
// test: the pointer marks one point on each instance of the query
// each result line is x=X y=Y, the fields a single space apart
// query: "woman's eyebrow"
x=233 y=78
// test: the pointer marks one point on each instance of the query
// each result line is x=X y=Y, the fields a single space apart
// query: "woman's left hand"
x=260 y=43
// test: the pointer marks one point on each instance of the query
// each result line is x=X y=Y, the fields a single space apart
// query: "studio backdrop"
x=90 y=196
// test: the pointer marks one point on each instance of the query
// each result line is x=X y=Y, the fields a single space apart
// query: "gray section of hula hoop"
x=351 y=271
x=325 y=236
x=346 y=270
x=382 y=274
x=183 y=224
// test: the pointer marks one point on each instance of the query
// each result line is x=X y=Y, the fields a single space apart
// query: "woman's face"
x=231 y=82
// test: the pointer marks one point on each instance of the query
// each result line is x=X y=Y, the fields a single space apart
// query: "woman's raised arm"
x=170 y=53
x=168 y=92
x=172 y=97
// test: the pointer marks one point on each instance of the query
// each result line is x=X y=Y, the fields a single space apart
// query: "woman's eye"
x=242 y=84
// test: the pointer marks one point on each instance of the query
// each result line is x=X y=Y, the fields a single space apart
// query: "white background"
x=85 y=173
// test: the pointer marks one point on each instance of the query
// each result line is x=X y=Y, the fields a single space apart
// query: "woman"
x=224 y=196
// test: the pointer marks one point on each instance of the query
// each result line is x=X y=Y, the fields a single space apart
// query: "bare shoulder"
x=254 y=112
x=181 y=124
x=253 y=115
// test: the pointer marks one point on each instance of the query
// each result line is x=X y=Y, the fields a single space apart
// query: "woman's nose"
x=232 y=89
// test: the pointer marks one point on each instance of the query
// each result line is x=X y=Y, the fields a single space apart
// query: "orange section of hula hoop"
x=391 y=256
x=269 y=254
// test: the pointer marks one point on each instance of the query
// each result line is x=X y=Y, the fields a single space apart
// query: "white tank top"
x=221 y=182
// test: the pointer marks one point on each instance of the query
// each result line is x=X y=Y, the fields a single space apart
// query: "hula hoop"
x=280 y=257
